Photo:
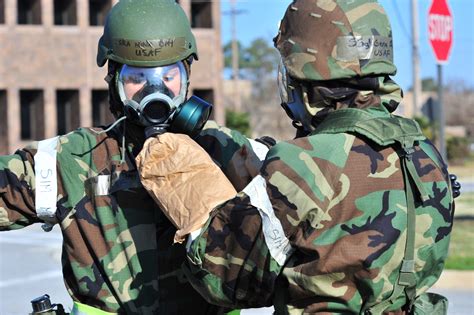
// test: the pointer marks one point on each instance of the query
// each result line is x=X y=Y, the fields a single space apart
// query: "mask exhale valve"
x=189 y=119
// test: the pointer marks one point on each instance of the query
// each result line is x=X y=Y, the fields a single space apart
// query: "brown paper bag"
x=183 y=180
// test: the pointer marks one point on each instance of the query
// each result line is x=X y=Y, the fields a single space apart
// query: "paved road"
x=30 y=266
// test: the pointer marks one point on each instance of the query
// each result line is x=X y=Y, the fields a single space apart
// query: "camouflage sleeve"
x=240 y=254
x=230 y=263
x=17 y=178
x=221 y=143
x=239 y=157
x=237 y=258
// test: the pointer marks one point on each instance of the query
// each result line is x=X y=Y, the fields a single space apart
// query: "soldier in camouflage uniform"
x=117 y=255
x=354 y=215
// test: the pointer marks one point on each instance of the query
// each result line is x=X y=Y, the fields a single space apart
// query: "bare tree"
x=258 y=63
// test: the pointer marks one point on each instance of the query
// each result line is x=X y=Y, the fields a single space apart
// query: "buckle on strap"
x=407 y=152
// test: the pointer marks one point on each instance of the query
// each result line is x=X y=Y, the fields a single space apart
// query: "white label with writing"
x=352 y=48
x=46 y=178
x=275 y=238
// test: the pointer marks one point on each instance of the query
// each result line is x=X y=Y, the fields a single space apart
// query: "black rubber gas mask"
x=156 y=97
x=291 y=94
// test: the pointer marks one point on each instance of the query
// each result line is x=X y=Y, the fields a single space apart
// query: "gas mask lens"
x=152 y=93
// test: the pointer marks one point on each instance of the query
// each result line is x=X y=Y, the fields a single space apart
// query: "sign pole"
x=442 y=119
x=440 y=29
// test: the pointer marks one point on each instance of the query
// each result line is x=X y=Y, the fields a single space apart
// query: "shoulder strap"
x=406 y=280
x=382 y=129
x=389 y=130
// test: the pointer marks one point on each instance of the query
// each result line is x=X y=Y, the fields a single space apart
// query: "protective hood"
x=360 y=93
x=323 y=97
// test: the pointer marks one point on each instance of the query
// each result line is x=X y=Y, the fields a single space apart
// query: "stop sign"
x=440 y=29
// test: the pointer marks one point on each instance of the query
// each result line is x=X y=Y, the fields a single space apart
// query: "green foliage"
x=429 y=85
x=255 y=60
x=465 y=202
x=228 y=54
x=428 y=128
x=238 y=121
x=460 y=263
x=457 y=149
x=461 y=249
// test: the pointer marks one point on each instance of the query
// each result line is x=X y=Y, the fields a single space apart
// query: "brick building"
x=49 y=81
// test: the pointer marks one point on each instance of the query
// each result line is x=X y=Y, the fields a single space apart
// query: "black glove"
x=456 y=186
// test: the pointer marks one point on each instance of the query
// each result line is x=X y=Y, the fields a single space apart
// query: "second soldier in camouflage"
x=352 y=216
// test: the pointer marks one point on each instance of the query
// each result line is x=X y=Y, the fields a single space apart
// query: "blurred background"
x=50 y=84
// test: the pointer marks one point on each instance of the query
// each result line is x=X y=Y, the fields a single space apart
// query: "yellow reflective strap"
x=83 y=309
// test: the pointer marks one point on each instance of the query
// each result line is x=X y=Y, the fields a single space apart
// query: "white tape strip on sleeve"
x=275 y=237
x=102 y=187
x=260 y=149
x=46 y=179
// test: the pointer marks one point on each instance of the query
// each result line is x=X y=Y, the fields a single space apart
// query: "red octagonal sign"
x=440 y=28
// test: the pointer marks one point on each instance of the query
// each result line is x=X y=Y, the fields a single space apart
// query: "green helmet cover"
x=335 y=39
x=146 y=33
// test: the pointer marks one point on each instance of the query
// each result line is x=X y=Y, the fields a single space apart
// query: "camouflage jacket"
x=117 y=250
x=323 y=228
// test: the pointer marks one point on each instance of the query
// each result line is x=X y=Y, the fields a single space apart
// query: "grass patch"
x=464 y=171
x=461 y=249
x=466 y=198
x=465 y=204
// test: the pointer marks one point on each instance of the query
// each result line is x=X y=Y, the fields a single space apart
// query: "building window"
x=98 y=10
x=29 y=11
x=67 y=109
x=201 y=14
x=31 y=114
x=2 y=11
x=65 y=12
x=3 y=123
x=101 y=115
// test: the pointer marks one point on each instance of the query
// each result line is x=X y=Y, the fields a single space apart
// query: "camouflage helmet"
x=335 y=39
x=146 y=33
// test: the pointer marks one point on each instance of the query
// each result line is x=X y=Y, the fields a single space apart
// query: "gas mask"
x=291 y=95
x=155 y=98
